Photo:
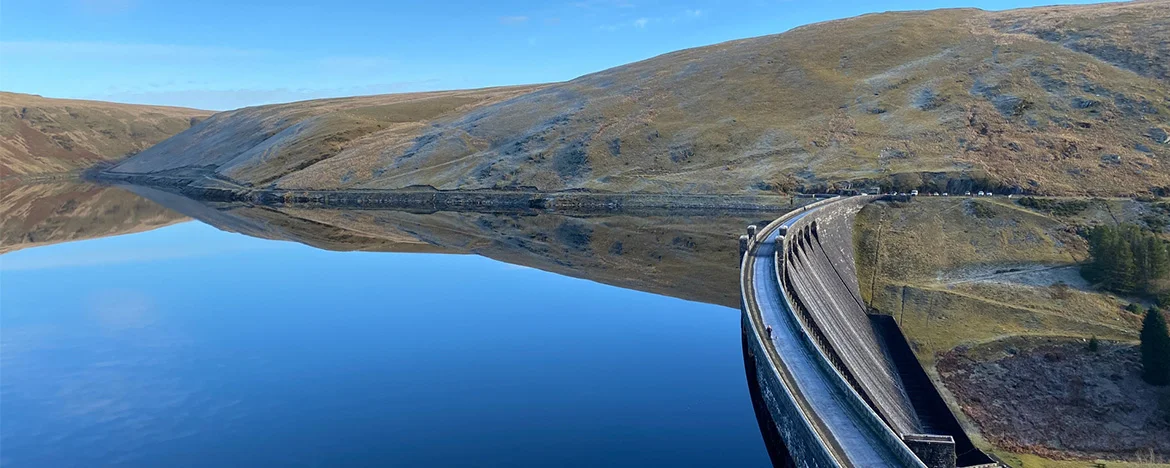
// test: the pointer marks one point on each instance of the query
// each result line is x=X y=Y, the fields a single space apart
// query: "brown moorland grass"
x=42 y=136
x=1053 y=100
x=959 y=273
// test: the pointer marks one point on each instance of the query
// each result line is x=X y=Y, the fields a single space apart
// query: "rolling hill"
x=1053 y=100
x=41 y=136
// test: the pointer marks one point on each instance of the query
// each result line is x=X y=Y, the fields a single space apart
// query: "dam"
x=834 y=385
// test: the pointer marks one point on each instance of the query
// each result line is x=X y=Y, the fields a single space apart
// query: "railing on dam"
x=824 y=420
x=810 y=292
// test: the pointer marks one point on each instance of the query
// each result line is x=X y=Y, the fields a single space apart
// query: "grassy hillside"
x=989 y=264
x=989 y=295
x=1071 y=100
x=47 y=136
x=258 y=145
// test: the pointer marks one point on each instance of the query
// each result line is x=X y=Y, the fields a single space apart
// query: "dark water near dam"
x=369 y=338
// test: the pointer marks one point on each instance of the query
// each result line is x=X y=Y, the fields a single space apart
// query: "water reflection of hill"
x=691 y=257
x=62 y=211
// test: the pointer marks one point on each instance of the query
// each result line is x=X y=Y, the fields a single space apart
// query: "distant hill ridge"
x=1052 y=100
x=48 y=136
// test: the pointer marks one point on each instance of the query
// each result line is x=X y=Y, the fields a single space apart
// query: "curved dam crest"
x=839 y=386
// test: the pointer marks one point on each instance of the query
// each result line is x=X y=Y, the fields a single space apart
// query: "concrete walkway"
x=850 y=437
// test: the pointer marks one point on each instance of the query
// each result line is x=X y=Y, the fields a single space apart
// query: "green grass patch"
x=1054 y=206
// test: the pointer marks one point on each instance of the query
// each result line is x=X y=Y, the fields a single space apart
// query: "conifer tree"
x=1122 y=274
x=1155 y=348
x=1159 y=257
x=1127 y=260
x=1143 y=270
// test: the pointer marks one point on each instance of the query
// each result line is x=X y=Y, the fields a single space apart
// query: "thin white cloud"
x=602 y=4
x=227 y=99
x=643 y=22
x=513 y=20
x=689 y=15
x=639 y=23
x=83 y=49
x=356 y=63
x=107 y=7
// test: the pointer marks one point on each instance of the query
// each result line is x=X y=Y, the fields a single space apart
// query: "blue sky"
x=225 y=54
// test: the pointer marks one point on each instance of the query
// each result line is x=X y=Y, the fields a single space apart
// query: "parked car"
x=946 y=194
x=981 y=193
x=913 y=193
x=967 y=194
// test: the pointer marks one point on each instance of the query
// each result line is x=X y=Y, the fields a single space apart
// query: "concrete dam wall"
x=884 y=411
x=819 y=274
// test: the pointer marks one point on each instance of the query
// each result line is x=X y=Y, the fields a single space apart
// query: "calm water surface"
x=188 y=346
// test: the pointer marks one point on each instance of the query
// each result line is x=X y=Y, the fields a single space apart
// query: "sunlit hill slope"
x=49 y=136
x=1054 y=100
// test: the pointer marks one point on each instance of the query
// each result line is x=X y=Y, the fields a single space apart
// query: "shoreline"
x=209 y=189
